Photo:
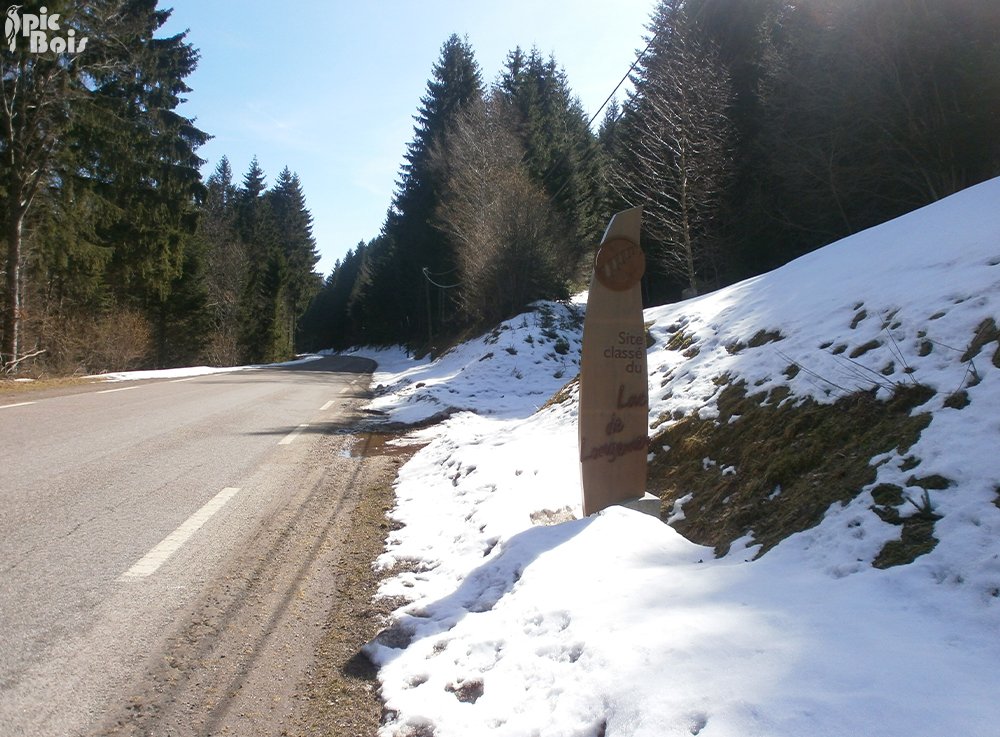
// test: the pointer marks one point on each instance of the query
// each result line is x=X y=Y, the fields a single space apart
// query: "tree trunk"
x=161 y=334
x=12 y=316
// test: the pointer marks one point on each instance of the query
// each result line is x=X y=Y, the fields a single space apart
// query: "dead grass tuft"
x=792 y=460
x=986 y=333
x=681 y=341
x=864 y=348
x=916 y=539
x=763 y=337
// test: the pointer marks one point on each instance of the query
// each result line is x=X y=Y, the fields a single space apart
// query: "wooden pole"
x=614 y=392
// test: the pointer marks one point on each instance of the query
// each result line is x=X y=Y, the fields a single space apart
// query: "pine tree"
x=561 y=153
x=379 y=309
x=157 y=180
x=410 y=235
x=263 y=334
x=226 y=264
x=294 y=223
x=64 y=274
x=607 y=134
x=328 y=322
x=247 y=199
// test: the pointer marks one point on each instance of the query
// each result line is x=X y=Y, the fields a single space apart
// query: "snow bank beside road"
x=524 y=621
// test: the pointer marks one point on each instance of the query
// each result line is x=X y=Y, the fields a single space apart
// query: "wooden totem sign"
x=614 y=393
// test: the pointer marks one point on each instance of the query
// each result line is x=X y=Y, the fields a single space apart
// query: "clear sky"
x=330 y=88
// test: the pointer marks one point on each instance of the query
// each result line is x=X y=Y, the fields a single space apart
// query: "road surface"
x=165 y=548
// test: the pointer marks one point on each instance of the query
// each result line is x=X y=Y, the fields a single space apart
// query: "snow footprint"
x=551 y=630
x=542 y=624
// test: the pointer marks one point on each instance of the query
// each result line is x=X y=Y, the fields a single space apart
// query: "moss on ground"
x=958 y=400
x=777 y=465
x=916 y=535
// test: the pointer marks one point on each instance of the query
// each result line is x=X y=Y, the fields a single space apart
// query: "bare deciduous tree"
x=675 y=147
x=509 y=249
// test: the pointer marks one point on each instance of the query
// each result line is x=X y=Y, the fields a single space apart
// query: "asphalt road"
x=139 y=519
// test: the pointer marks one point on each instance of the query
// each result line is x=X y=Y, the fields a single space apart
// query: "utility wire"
x=621 y=81
x=427 y=276
x=440 y=273
x=601 y=108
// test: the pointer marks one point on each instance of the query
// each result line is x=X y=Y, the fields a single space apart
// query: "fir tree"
x=247 y=200
x=410 y=234
x=226 y=258
x=294 y=223
x=264 y=335
x=103 y=121
x=328 y=321
x=561 y=152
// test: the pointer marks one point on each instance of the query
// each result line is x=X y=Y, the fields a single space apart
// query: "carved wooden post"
x=614 y=393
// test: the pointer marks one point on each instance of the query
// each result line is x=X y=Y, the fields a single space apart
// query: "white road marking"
x=292 y=435
x=19 y=404
x=156 y=557
x=189 y=378
x=121 y=389
x=324 y=408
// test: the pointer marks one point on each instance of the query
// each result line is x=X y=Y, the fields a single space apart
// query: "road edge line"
x=151 y=561
x=293 y=434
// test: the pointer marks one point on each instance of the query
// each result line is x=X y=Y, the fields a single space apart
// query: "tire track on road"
x=193 y=685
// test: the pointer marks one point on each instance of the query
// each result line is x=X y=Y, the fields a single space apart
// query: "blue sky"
x=330 y=88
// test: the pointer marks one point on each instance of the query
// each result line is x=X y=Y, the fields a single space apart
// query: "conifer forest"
x=753 y=131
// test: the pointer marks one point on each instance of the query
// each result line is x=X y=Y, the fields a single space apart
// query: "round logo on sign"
x=620 y=264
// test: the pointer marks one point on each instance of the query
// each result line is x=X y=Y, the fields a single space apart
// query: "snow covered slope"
x=511 y=370
x=525 y=621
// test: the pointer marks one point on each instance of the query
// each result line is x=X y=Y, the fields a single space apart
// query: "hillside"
x=869 y=366
x=823 y=439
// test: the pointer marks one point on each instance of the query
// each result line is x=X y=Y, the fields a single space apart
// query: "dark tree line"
x=815 y=120
x=117 y=254
x=260 y=253
x=756 y=131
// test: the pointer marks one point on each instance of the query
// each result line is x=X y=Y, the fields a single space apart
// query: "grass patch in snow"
x=916 y=539
x=770 y=467
x=986 y=333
